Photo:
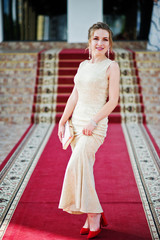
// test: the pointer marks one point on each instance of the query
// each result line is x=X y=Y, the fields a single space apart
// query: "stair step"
x=73 y=54
x=44 y=98
x=119 y=108
x=123 y=89
x=16 y=90
x=39 y=108
x=51 y=98
x=69 y=64
x=61 y=98
x=124 y=80
x=65 y=80
x=12 y=65
x=148 y=65
x=19 y=82
x=114 y=118
x=67 y=71
x=16 y=118
x=60 y=108
x=22 y=108
x=147 y=56
x=18 y=56
x=16 y=99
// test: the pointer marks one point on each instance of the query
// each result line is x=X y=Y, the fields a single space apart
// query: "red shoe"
x=93 y=234
x=84 y=231
x=103 y=223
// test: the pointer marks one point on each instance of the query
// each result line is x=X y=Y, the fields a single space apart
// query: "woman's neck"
x=96 y=59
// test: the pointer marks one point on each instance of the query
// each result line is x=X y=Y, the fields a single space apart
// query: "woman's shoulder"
x=113 y=64
x=83 y=63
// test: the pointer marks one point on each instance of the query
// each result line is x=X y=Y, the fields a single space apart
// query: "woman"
x=96 y=79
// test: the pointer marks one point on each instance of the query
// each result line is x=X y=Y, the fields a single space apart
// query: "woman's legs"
x=94 y=221
x=86 y=225
x=78 y=192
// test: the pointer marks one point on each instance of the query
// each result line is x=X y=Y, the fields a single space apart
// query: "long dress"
x=78 y=192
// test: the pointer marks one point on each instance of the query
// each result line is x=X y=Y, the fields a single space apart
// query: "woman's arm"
x=114 y=78
x=113 y=75
x=70 y=105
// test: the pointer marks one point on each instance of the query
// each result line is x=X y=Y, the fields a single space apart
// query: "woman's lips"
x=99 y=48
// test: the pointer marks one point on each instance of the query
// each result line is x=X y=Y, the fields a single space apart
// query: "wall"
x=1 y=22
x=81 y=15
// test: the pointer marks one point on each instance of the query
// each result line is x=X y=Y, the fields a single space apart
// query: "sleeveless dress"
x=78 y=192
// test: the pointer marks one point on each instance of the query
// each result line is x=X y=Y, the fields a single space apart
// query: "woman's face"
x=99 y=43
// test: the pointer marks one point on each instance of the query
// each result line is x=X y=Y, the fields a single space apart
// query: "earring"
x=89 y=53
x=108 y=52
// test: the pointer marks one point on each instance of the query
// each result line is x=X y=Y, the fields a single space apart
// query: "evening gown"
x=78 y=192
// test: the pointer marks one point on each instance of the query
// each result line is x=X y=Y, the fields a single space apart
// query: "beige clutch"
x=68 y=134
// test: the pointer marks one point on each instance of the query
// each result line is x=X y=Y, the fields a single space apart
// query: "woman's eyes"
x=98 y=39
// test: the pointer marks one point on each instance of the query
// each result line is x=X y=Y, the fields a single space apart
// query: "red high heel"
x=84 y=231
x=103 y=223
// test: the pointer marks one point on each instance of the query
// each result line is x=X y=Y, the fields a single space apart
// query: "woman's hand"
x=70 y=105
x=61 y=131
x=87 y=130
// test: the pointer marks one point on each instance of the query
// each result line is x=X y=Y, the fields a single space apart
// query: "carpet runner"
x=37 y=215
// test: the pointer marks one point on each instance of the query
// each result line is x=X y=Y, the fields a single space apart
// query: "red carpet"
x=37 y=216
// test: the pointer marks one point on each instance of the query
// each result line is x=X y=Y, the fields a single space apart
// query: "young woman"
x=96 y=79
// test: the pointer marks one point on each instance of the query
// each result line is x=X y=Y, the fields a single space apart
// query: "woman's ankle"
x=86 y=225
x=94 y=221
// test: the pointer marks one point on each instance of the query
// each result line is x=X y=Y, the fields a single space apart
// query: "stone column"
x=81 y=15
x=154 y=34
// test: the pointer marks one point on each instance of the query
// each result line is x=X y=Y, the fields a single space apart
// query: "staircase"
x=45 y=95
x=54 y=83
x=56 y=70
x=148 y=66
x=131 y=99
x=17 y=81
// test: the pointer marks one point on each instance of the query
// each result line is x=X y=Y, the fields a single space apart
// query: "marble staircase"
x=17 y=83
x=148 y=66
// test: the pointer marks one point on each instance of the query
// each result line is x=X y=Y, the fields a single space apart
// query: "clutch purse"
x=68 y=134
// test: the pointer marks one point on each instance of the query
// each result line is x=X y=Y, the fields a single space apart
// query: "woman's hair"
x=100 y=25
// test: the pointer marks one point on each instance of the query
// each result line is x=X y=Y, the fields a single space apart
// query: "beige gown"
x=78 y=191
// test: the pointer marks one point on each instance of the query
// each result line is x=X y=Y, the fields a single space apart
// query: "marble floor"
x=11 y=133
